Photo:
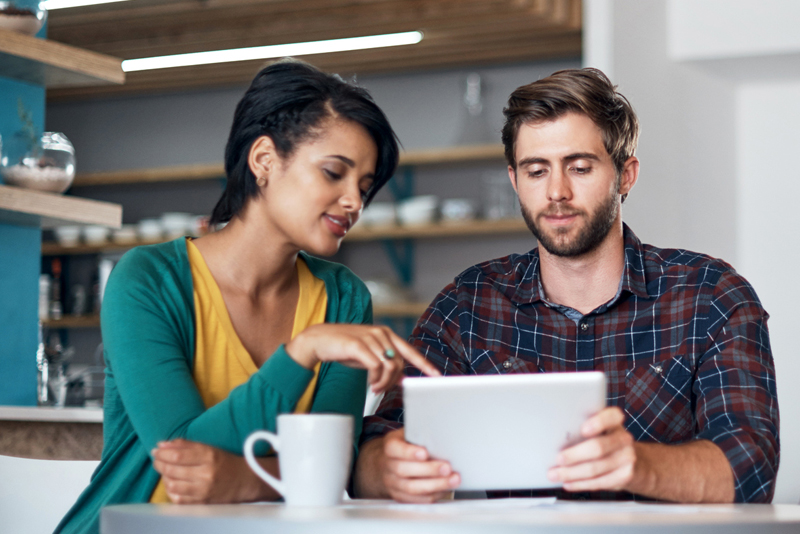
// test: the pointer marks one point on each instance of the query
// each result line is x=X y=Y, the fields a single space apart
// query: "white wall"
x=713 y=29
x=716 y=84
x=768 y=138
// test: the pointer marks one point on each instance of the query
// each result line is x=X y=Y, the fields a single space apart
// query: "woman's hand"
x=195 y=473
x=372 y=347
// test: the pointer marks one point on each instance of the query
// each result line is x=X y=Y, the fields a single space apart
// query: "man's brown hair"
x=586 y=91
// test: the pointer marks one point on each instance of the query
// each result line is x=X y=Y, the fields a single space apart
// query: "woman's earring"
x=261 y=181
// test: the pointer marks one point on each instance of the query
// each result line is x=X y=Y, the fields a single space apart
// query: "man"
x=682 y=338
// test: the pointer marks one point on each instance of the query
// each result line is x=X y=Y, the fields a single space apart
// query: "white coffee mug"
x=314 y=453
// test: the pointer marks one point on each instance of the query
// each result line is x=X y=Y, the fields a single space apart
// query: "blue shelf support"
x=401 y=252
x=20 y=262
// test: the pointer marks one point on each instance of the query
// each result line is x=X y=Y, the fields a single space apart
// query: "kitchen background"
x=715 y=84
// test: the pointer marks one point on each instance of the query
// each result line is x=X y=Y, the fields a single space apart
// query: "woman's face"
x=316 y=195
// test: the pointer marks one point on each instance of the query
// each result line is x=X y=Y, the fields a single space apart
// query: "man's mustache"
x=556 y=209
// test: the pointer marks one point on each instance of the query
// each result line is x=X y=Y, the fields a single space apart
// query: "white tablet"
x=501 y=432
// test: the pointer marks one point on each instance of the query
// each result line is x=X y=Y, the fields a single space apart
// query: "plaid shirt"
x=684 y=346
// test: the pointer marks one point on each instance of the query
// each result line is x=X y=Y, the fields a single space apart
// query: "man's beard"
x=587 y=240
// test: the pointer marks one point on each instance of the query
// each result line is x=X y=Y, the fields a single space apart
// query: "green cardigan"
x=148 y=328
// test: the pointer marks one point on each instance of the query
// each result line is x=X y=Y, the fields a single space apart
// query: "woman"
x=207 y=340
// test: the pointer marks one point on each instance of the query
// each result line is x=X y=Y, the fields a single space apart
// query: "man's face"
x=567 y=184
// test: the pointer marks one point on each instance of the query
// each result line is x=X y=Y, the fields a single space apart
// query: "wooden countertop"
x=51 y=414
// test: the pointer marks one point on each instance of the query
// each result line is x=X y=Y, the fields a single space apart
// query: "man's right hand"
x=392 y=467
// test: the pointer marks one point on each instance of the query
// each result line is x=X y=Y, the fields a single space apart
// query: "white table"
x=497 y=516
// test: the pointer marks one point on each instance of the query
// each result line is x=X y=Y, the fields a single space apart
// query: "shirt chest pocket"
x=485 y=362
x=658 y=400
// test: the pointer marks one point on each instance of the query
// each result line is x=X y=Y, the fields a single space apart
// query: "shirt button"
x=584 y=327
x=507 y=364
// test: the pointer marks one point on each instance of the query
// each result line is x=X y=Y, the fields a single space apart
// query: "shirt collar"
x=529 y=287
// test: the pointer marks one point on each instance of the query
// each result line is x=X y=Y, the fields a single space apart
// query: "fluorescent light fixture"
x=272 y=51
x=63 y=4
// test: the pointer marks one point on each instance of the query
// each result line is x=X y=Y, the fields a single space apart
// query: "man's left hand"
x=605 y=460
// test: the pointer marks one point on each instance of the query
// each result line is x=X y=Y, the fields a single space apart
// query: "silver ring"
x=389 y=354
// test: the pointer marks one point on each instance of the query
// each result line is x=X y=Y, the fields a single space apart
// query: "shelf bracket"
x=401 y=255
x=403 y=187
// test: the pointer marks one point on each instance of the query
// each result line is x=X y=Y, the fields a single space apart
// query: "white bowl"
x=458 y=209
x=95 y=235
x=125 y=235
x=67 y=236
x=150 y=230
x=417 y=210
x=379 y=214
x=177 y=224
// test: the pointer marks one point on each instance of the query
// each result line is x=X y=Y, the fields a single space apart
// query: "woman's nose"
x=351 y=200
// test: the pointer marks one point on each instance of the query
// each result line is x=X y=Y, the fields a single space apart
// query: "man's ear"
x=629 y=176
x=512 y=175
x=262 y=159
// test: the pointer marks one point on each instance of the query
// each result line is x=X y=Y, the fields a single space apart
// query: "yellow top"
x=221 y=362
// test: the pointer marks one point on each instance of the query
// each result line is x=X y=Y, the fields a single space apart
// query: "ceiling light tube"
x=50 y=5
x=272 y=51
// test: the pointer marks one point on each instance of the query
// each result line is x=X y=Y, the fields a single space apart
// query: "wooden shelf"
x=68 y=321
x=27 y=207
x=428 y=231
x=178 y=173
x=210 y=171
x=53 y=64
x=436 y=230
x=54 y=249
x=455 y=154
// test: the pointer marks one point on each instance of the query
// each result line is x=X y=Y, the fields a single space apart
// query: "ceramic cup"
x=314 y=452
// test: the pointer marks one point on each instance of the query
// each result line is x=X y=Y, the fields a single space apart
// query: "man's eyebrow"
x=571 y=157
x=582 y=155
x=531 y=161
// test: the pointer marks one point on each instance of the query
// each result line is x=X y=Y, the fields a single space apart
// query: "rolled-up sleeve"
x=737 y=404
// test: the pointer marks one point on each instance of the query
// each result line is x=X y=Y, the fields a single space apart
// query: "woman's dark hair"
x=287 y=101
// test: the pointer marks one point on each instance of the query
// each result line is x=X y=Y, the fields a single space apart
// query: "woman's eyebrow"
x=347 y=161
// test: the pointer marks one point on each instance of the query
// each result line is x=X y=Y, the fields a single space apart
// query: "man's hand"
x=610 y=459
x=605 y=460
x=195 y=473
x=392 y=467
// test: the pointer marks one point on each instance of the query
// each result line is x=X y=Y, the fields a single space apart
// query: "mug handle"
x=272 y=439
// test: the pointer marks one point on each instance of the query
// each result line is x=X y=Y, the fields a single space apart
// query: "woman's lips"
x=337 y=225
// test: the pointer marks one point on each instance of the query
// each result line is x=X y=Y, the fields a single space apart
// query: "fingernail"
x=454 y=481
x=444 y=470
x=560 y=459
x=553 y=475
x=420 y=455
